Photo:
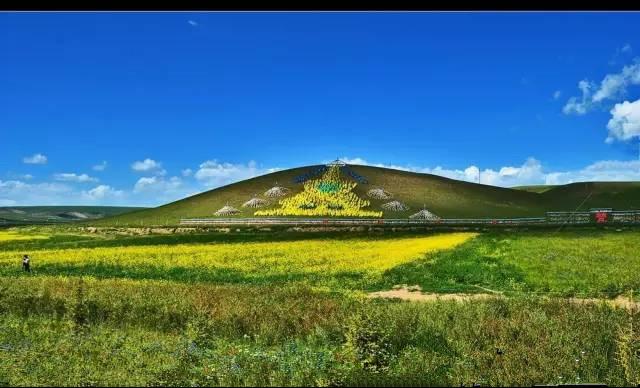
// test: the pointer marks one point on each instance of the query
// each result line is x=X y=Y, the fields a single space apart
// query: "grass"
x=584 y=263
x=18 y=236
x=289 y=309
x=594 y=263
x=123 y=332
x=445 y=197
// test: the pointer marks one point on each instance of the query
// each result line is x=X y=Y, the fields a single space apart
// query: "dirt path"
x=415 y=294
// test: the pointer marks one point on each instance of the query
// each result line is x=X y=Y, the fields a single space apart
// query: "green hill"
x=442 y=196
x=447 y=198
x=616 y=195
x=23 y=215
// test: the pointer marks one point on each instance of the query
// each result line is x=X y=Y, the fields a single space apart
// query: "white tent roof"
x=255 y=202
x=379 y=194
x=424 y=214
x=226 y=211
x=395 y=206
x=276 y=191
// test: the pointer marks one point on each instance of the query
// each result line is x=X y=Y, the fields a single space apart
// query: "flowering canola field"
x=245 y=262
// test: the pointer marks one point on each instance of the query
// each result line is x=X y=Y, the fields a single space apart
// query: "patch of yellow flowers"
x=327 y=196
x=254 y=260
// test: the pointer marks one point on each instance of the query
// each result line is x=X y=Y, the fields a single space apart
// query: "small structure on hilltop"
x=395 y=206
x=379 y=194
x=255 y=202
x=276 y=191
x=424 y=214
x=227 y=210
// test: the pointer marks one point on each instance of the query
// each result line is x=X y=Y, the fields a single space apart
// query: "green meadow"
x=292 y=309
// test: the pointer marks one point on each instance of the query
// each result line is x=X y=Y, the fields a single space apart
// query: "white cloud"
x=213 y=174
x=612 y=86
x=576 y=106
x=624 y=124
x=530 y=172
x=626 y=48
x=34 y=194
x=73 y=177
x=148 y=166
x=157 y=184
x=102 y=192
x=100 y=167
x=606 y=170
x=187 y=172
x=193 y=23
x=557 y=94
x=35 y=159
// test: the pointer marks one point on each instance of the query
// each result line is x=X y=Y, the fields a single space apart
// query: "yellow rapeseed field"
x=12 y=236
x=321 y=257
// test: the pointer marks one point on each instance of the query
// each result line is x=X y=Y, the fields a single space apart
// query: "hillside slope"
x=444 y=197
x=617 y=195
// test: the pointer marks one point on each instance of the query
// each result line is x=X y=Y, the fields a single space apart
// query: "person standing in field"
x=26 y=263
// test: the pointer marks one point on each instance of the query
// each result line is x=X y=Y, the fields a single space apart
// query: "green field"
x=445 y=197
x=291 y=309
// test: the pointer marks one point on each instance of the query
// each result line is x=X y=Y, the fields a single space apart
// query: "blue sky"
x=144 y=108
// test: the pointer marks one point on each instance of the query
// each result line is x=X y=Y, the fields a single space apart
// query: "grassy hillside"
x=617 y=195
x=444 y=197
x=23 y=215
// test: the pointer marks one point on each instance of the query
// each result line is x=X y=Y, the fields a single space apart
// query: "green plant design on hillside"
x=329 y=195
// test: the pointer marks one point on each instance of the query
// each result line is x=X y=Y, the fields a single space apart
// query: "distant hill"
x=617 y=195
x=535 y=188
x=442 y=196
x=447 y=198
x=22 y=215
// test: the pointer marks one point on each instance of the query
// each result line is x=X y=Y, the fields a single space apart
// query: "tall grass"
x=123 y=332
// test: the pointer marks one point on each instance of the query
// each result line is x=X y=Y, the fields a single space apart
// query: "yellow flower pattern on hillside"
x=329 y=195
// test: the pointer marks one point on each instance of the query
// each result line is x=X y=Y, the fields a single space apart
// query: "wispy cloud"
x=156 y=183
x=100 y=167
x=73 y=177
x=102 y=192
x=212 y=173
x=192 y=23
x=148 y=166
x=35 y=159
x=557 y=94
x=577 y=105
x=613 y=86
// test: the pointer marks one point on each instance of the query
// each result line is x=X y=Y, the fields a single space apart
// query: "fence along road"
x=551 y=218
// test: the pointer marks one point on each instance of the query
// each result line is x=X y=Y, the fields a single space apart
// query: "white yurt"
x=276 y=191
x=424 y=214
x=379 y=194
x=395 y=206
x=227 y=210
x=255 y=202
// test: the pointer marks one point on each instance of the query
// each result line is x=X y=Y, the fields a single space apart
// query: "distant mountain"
x=24 y=215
